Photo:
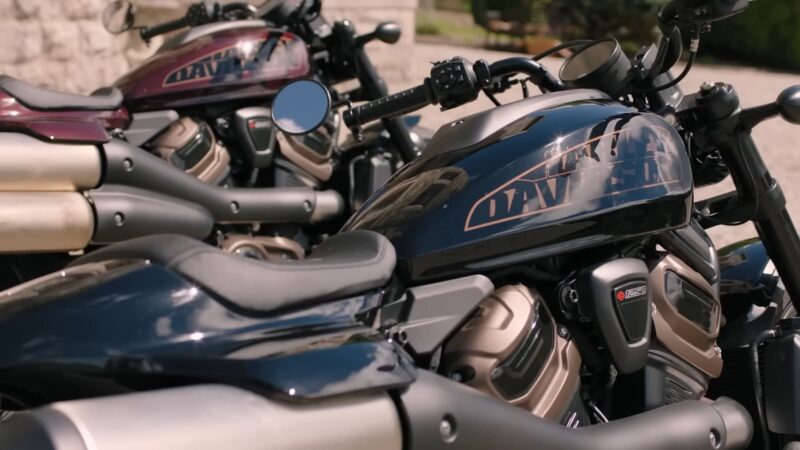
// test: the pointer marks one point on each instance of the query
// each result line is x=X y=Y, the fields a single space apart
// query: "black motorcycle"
x=541 y=278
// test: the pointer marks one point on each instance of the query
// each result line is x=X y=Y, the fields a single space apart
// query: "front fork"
x=373 y=87
x=717 y=118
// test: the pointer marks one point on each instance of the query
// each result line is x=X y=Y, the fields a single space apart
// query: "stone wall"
x=61 y=44
x=392 y=60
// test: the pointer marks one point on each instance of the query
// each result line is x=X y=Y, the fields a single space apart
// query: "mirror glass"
x=300 y=107
x=118 y=16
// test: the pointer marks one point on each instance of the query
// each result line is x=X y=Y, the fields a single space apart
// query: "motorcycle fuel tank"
x=222 y=62
x=531 y=179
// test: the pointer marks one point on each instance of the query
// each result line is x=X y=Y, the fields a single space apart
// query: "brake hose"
x=694 y=46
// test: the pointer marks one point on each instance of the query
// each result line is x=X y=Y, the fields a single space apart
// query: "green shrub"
x=767 y=33
x=428 y=28
x=629 y=20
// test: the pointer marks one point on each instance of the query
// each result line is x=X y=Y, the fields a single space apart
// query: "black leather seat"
x=34 y=97
x=346 y=264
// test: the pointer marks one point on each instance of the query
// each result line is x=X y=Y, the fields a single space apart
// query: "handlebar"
x=198 y=14
x=392 y=105
x=539 y=75
x=150 y=32
x=452 y=83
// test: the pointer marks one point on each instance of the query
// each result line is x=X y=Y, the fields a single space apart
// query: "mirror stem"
x=751 y=117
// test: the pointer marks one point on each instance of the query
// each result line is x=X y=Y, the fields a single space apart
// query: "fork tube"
x=772 y=220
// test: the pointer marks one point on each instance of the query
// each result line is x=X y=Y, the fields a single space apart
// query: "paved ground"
x=778 y=140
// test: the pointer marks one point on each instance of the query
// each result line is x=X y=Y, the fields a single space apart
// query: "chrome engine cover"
x=686 y=314
x=189 y=145
x=511 y=349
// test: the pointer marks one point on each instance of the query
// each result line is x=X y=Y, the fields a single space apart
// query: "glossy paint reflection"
x=347 y=363
x=751 y=292
x=115 y=327
x=578 y=174
x=212 y=68
x=60 y=126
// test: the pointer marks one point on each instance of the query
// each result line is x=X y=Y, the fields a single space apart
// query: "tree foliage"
x=633 y=20
x=767 y=33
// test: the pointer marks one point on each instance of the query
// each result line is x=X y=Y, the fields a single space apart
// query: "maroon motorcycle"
x=185 y=143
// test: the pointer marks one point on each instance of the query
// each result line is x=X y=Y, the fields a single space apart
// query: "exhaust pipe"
x=33 y=165
x=432 y=413
x=44 y=221
x=131 y=166
x=476 y=421
x=206 y=417
x=66 y=221
x=123 y=212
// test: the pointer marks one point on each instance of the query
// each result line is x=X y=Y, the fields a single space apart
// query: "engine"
x=189 y=144
x=512 y=349
x=686 y=322
x=192 y=145
x=244 y=149
x=654 y=321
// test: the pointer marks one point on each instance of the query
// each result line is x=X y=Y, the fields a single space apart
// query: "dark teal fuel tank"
x=535 y=178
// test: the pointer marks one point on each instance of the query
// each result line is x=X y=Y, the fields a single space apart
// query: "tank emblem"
x=611 y=164
x=232 y=62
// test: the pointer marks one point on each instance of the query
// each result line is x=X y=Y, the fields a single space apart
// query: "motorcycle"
x=541 y=276
x=214 y=166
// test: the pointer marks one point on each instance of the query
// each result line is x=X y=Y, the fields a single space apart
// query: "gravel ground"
x=779 y=141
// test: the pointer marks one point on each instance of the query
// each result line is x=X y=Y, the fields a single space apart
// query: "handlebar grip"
x=393 y=105
x=151 y=32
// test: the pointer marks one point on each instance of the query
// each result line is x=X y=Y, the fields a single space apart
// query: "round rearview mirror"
x=300 y=107
x=789 y=104
x=118 y=16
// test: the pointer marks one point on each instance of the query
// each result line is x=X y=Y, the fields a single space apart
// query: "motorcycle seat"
x=344 y=265
x=38 y=98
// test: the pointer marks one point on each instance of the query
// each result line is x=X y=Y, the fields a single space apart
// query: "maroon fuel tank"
x=216 y=62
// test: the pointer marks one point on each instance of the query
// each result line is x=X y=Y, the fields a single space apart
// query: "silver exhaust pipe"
x=207 y=417
x=66 y=221
x=436 y=412
x=33 y=165
x=44 y=221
